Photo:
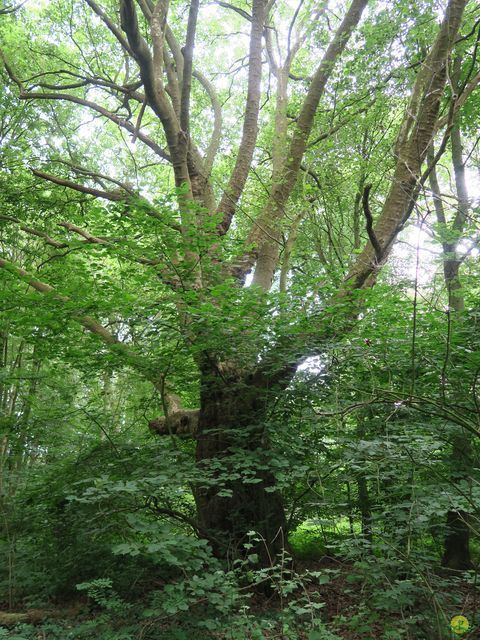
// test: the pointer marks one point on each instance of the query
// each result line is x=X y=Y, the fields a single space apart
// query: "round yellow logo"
x=459 y=625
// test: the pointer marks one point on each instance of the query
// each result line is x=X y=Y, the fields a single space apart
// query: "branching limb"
x=101 y=178
x=265 y=253
x=88 y=238
x=35 y=232
x=155 y=93
x=123 y=194
x=462 y=98
x=114 y=196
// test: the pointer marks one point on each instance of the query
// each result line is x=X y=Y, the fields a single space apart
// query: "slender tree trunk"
x=231 y=432
x=457 y=540
x=364 y=503
x=364 y=506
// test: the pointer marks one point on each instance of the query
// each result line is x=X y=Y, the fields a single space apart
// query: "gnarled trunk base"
x=238 y=504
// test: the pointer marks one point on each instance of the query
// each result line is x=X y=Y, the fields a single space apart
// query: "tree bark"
x=231 y=431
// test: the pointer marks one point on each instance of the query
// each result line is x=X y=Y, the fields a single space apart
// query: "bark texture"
x=231 y=432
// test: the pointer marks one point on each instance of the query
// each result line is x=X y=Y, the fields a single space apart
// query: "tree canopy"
x=239 y=275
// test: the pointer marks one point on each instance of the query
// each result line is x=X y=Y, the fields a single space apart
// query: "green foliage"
x=357 y=411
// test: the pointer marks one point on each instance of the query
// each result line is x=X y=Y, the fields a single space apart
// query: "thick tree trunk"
x=233 y=449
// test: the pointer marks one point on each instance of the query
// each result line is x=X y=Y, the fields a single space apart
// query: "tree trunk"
x=239 y=495
x=457 y=541
x=456 y=553
x=365 y=508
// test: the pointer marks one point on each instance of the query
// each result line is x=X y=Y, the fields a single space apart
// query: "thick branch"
x=414 y=138
x=154 y=91
x=176 y=52
x=217 y=122
x=188 y=65
x=243 y=162
x=157 y=30
x=281 y=363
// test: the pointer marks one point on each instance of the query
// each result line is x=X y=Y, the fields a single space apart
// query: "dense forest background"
x=240 y=311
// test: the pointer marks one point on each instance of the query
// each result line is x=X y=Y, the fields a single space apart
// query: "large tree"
x=135 y=66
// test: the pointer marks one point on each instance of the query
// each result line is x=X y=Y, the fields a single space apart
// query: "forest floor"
x=347 y=608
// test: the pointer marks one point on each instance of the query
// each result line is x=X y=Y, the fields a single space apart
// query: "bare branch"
x=7 y=10
x=99 y=177
x=123 y=194
x=462 y=98
x=241 y=12
x=157 y=30
x=291 y=25
x=176 y=51
x=156 y=95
